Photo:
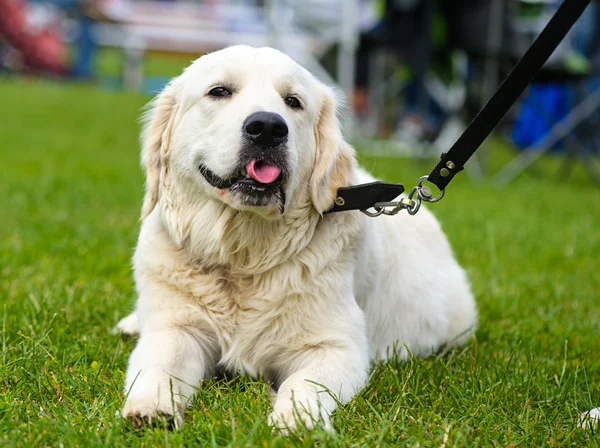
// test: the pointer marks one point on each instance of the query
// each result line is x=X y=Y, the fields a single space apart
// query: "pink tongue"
x=263 y=172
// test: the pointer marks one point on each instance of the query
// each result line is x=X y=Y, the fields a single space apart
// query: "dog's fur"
x=280 y=290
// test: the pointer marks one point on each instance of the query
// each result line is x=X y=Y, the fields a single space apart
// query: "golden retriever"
x=237 y=267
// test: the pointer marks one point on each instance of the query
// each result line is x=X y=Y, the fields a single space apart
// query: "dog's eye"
x=219 y=92
x=293 y=102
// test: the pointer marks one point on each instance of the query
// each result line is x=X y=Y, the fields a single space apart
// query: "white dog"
x=237 y=268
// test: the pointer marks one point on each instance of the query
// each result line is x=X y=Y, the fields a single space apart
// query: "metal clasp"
x=412 y=204
x=390 y=208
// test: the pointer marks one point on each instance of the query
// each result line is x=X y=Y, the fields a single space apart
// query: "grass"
x=70 y=194
x=110 y=62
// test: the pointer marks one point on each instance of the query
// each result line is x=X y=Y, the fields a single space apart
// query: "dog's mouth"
x=257 y=183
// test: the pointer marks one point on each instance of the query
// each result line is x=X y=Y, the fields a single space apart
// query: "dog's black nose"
x=265 y=129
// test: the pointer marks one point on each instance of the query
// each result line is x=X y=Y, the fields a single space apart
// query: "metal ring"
x=415 y=209
x=424 y=198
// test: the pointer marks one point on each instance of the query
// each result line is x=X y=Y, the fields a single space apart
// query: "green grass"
x=70 y=194
x=110 y=62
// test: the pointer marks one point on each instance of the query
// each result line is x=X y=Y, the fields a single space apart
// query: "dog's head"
x=248 y=127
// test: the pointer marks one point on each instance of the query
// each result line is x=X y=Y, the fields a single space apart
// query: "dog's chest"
x=248 y=317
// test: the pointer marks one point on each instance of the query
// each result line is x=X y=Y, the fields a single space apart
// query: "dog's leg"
x=129 y=325
x=310 y=394
x=164 y=370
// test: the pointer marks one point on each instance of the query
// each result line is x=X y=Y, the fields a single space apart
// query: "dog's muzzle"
x=263 y=167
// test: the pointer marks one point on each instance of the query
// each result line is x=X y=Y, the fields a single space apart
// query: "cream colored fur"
x=304 y=299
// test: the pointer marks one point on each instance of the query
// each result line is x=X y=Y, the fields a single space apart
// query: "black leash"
x=378 y=195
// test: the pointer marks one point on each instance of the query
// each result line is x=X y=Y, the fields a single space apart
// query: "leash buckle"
x=412 y=204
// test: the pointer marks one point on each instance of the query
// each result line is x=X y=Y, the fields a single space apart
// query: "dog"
x=239 y=269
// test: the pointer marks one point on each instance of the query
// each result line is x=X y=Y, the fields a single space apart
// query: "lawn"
x=70 y=194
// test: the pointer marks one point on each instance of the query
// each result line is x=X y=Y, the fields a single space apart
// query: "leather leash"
x=380 y=195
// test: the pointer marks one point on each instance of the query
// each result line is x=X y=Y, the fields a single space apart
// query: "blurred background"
x=414 y=72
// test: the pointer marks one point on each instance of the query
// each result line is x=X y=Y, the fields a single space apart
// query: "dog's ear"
x=156 y=134
x=335 y=158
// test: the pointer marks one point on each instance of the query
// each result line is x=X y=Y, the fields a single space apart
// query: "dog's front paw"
x=128 y=326
x=290 y=417
x=150 y=412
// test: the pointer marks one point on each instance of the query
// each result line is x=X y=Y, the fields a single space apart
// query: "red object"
x=43 y=51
